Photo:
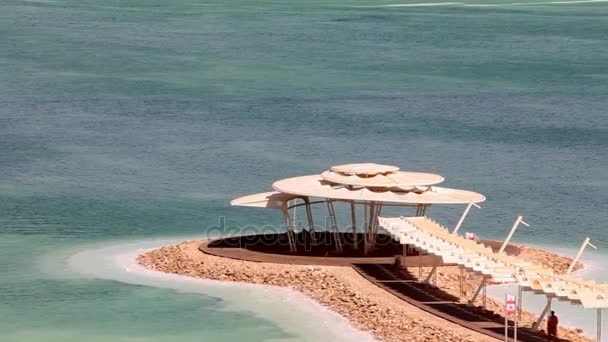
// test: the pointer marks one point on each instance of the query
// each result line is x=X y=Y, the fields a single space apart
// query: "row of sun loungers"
x=435 y=239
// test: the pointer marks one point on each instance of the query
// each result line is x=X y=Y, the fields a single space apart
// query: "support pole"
x=461 y=281
x=578 y=255
x=424 y=207
x=568 y=271
x=484 y=296
x=353 y=218
x=419 y=264
x=520 y=219
x=515 y=328
x=371 y=217
x=506 y=321
x=334 y=224
x=377 y=212
x=520 y=299
x=295 y=212
x=311 y=224
x=478 y=291
x=542 y=314
x=599 y=325
x=365 y=215
x=463 y=216
x=429 y=279
x=290 y=238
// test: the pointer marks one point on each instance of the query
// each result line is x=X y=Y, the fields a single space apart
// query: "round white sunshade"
x=316 y=186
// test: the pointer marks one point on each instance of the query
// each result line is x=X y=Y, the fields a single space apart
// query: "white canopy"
x=272 y=199
x=316 y=186
x=392 y=179
x=362 y=169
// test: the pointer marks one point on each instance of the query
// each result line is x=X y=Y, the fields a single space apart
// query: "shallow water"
x=129 y=120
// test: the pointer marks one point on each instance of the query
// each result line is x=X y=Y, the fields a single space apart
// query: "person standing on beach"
x=552 y=326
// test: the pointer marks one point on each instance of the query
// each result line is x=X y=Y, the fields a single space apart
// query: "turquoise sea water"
x=122 y=121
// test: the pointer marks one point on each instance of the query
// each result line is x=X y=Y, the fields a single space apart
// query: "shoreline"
x=342 y=290
x=279 y=306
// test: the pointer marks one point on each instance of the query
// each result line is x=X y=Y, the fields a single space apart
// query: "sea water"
x=124 y=121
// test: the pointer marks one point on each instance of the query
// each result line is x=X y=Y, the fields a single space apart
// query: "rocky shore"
x=342 y=289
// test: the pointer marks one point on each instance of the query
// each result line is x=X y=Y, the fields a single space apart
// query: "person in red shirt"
x=552 y=326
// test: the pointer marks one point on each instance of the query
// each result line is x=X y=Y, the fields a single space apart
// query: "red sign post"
x=510 y=310
x=511 y=305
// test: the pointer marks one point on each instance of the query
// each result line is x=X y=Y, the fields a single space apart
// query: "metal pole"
x=520 y=299
x=484 y=296
x=506 y=321
x=430 y=277
x=424 y=208
x=578 y=255
x=599 y=325
x=290 y=238
x=419 y=265
x=365 y=226
x=295 y=211
x=463 y=216
x=542 y=314
x=311 y=224
x=515 y=330
x=461 y=281
x=334 y=225
x=373 y=219
x=516 y=316
x=568 y=271
x=353 y=218
x=481 y=286
x=377 y=212
x=520 y=219
x=368 y=226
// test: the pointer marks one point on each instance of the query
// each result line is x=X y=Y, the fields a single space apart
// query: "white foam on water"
x=425 y=4
x=290 y=310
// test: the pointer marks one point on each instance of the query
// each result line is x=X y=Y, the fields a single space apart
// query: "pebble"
x=386 y=324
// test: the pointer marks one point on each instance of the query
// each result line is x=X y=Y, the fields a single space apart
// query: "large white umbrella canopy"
x=383 y=180
x=316 y=186
x=369 y=169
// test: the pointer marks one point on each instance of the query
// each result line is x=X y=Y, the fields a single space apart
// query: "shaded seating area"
x=365 y=189
x=313 y=244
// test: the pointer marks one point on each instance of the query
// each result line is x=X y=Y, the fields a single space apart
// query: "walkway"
x=441 y=304
x=378 y=270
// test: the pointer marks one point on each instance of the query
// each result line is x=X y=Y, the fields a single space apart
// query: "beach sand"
x=345 y=291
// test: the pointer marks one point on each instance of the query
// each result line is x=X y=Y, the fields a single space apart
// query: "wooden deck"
x=249 y=255
x=439 y=303
x=273 y=248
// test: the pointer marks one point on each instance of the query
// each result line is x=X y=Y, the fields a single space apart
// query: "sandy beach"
x=345 y=291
